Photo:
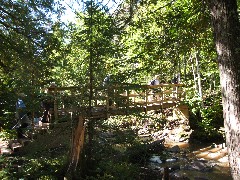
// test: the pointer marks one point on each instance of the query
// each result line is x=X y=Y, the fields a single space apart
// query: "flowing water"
x=197 y=161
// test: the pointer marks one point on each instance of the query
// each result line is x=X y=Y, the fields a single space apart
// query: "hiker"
x=106 y=81
x=155 y=81
x=21 y=115
x=176 y=79
x=107 y=85
x=48 y=104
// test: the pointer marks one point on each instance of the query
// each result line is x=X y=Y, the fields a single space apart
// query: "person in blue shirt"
x=21 y=115
x=20 y=104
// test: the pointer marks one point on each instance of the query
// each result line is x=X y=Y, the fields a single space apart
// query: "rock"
x=24 y=141
x=183 y=139
x=160 y=141
x=171 y=160
x=174 y=149
x=143 y=131
x=174 y=168
x=166 y=173
x=199 y=166
x=4 y=147
x=107 y=135
x=156 y=135
x=156 y=146
x=178 y=176
x=155 y=159
x=5 y=150
x=200 y=178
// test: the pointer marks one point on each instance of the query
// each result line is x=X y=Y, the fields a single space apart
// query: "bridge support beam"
x=181 y=112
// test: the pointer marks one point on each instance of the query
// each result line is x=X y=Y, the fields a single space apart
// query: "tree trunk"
x=194 y=75
x=225 y=24
x=198 y=76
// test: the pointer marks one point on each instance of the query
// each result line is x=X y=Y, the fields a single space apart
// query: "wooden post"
x=181 y=112
x=146 y=96
x=128 y=98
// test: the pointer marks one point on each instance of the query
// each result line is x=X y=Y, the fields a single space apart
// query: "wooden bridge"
x=119 y=99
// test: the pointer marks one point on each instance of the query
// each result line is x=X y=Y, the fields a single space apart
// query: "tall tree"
x=26 y=44
x=93 y=46
x=162 y=36
x=226 y=30
x=25 y=31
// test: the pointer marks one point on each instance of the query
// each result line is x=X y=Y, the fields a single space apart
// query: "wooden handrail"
x=125 y=95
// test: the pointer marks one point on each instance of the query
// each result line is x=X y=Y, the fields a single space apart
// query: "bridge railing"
x=146 y=95
x=117 y=97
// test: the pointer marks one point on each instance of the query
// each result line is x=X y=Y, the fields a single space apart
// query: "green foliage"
x=7 y=170
x=207 y=118
x=211 y=120
x=27 y=43
x=139 y=40
x=160 y=39
x=118 y=122
x=116 y=171
x=138 y=153
x=92 y=47
x=7 y=134
x=44 y=158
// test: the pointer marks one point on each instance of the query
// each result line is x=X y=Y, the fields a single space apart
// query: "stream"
x=194 y=161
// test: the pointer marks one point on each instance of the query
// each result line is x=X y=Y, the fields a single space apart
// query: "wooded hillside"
x=131 y=43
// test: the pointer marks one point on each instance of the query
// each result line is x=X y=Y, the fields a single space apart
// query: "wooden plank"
x=168 y=92
x=130 y=95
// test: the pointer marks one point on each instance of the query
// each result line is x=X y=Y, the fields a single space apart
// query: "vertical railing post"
x=163 y=94
x=177 y=92
x=146 y=96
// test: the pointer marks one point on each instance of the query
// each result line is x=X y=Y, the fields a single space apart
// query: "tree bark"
x=194 y=75
x=199 y=84
x=225 y=25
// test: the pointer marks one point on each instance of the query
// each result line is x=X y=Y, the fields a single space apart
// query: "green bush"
x=206 y=118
